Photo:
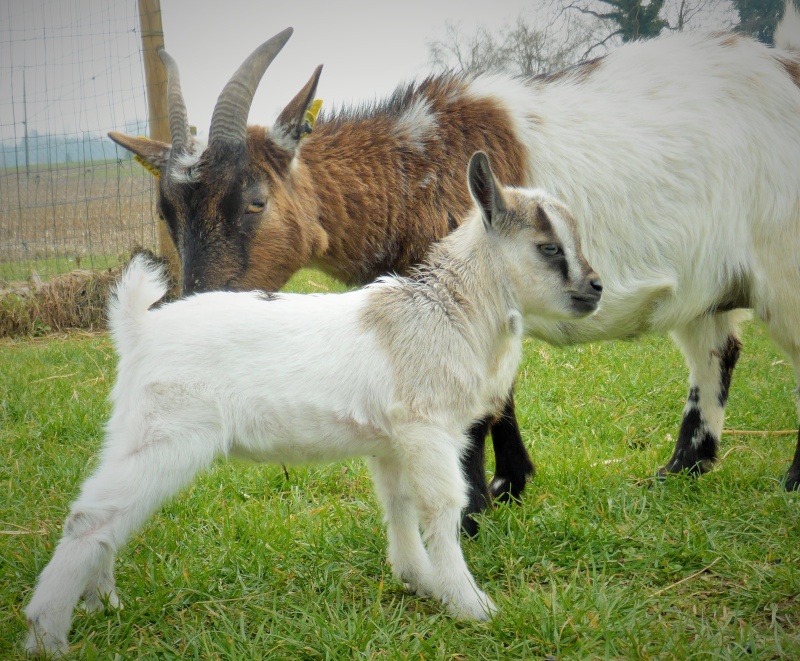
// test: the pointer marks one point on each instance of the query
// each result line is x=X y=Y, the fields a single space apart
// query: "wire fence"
x=70 y=71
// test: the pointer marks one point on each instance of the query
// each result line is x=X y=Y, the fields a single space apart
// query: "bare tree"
x=683 y=15
x=553 y=41
x=628 y=20
x=759 y=18
x=555 y=34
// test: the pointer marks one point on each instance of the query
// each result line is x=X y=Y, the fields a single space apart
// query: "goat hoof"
x=510 y=489
x=792 y=482
x=96 y=603
x=469 y=526
x=412 y=587
x=504 y=490
x=500 y=489
x=693 y=469
x=41 y=644
x=480 y=609
x=98 y=598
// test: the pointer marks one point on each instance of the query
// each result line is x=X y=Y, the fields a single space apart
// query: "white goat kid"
x=395 y=372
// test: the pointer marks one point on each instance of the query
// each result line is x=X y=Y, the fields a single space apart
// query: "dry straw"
x=75 y=300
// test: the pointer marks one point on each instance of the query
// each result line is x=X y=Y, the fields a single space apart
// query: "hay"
x=71 y=301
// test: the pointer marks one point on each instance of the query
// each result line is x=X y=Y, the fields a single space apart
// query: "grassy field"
x=73 y=215
x=597 y=562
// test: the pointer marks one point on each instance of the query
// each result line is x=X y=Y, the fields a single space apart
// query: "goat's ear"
x=484 y=188
x=292 y=124
x=154 y=155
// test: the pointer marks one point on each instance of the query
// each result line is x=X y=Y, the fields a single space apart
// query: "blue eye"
x=550 y=249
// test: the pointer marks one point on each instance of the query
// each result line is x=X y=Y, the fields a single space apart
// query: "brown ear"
x=291 y=124
x=152 y=152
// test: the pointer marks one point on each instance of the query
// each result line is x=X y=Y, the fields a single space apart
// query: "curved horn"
x=179 y=131
x=229 y=121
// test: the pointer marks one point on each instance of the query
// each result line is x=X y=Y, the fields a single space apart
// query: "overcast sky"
x=367 y=47
x=82 y=70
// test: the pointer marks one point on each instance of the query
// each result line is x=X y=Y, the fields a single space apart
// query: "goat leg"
x=473 y=466
x=792 y=482
x=513 y=465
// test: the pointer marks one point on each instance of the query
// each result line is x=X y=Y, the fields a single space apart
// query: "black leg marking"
x=696 y=448
x=792 y=482
x=728 y=359
x=513 y=465
x=689 y=454
x=473 y=464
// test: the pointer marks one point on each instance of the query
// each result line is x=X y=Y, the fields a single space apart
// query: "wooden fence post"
x=156 y=81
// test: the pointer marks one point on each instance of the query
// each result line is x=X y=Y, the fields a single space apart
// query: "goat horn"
x=229 y=120
x=179 y=131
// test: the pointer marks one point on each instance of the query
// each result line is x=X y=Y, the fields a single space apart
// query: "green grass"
x=47 y=267
x=311 y=281
x=597 y=562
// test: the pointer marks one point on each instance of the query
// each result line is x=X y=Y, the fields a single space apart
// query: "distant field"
x=73 y=215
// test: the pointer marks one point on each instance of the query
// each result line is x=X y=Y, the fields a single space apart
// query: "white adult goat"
x=680 y=157
x=396 y=372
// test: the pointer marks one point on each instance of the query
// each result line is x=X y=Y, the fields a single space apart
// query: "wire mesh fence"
x=70 y=71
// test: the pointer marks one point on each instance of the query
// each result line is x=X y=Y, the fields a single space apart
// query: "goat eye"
x=256 y=207
x=550 y=249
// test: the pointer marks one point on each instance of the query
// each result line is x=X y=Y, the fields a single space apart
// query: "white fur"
x=416 y=123
x=396 y=372
x=787 y=33
x=680 y=158
x=185 y=169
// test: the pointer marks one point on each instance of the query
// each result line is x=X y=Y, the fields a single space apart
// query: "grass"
x=47 y=267
x=597 y=562
x=73 y=215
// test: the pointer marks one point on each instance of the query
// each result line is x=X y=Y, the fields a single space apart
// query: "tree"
x=553 y=42
x=564 y=32
x=635 y=19
x=759 y=18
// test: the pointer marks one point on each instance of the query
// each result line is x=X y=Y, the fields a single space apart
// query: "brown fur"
x=365 y=194
x=791 y=66
x=577 y=73
x=729 y=39
x=380 y=201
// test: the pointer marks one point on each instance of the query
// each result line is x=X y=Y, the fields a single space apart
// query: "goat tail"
x=143 y=283
x=787 y=32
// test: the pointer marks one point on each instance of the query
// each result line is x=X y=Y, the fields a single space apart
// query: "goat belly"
x=305 y=434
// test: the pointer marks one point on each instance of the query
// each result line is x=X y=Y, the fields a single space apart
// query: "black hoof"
x=506 y=490
x=500 y=489
x=695 y=468
x=792 y=482
x=469 y=526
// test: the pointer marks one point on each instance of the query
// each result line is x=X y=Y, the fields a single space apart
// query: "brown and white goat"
x=680 y=157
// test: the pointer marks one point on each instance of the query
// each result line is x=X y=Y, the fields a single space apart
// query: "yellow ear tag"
x=310 y=117
x=150 y=168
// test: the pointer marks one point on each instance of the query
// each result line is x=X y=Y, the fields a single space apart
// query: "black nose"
x=596 y=284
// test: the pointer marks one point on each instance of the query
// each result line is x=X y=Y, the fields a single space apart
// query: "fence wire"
x=70 y=71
